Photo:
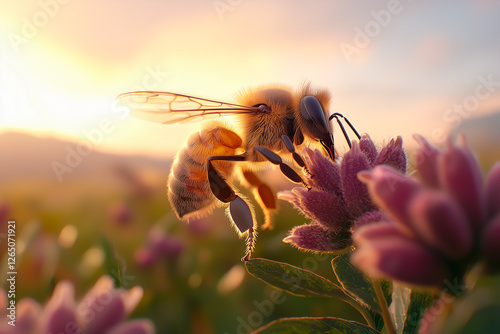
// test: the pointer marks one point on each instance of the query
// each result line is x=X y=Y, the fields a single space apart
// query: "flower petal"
x=289 y=196
x=101 y=308
x=104 y=312
x=326 y=174
x=131 y=298
x=391 y=191
x=490 y=241
x=59 y=312
x=441 y=223
x=28 y=313
x=460 y=174
x=402 y=260
x=323 y=208
x=393 y=155
x=367 y=218
x=140 y=326
x=426 y=162
x=376 y=232
x=355 y=193
x=493 y=190
x=367 y=146
x=316 y=238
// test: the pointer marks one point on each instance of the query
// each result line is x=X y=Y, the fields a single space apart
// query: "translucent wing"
x=169 y=108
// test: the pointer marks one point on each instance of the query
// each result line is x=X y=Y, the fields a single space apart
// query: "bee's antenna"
x=336 y=116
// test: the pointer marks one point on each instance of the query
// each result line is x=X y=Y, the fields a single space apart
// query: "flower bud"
x=493 y=191
x=461 y=176
x=326 y=174
x=315 y=237
x=355 y=193
x=367 y=146
x=426 y=164
x=491 y=241
x=393 y=155
x=441 y=224
x=402 y=260
x=391 y=191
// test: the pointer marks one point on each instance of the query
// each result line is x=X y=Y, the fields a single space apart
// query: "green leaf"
x=112 y=264
x=294 y=280
x=314 y=325
x=419 y=302
x=354 y=282
x=401 y=296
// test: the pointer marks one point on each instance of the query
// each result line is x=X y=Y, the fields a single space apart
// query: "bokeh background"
x=81 y=177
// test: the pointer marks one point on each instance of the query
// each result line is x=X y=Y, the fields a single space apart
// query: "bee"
x=271 y=122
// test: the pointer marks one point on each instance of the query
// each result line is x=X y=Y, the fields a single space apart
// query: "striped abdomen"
x=188 y=187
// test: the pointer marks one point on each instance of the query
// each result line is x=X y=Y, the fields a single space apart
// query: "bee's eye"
x=311 y=110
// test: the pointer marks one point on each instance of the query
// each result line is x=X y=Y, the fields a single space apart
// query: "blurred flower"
x=435 y=315
x=40 y=254
x=4 y=215
x=120 y=213
x=199 y=226
x=144 y=257
x=4 y=210
x=433 y=229
x=158 y=246
x=338 y=202
x=103 y=310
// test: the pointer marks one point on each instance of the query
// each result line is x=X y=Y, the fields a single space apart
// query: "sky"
x=393 y=67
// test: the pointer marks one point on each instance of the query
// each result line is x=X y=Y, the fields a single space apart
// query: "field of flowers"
x=105 y=254
x=191 y=276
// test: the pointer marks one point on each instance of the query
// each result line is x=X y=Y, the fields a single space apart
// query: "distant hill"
x=483 y=135
x=24 y=157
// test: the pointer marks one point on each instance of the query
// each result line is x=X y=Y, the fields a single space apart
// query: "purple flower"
x=4 y=215
x=158 y=246
x=434 y=228
x=338 y=202
x=120 y=213
x=104 y=310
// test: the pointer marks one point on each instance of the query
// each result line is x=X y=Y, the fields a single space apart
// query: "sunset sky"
x=393 y=67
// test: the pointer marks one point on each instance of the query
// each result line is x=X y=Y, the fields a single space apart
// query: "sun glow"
x=61 y=67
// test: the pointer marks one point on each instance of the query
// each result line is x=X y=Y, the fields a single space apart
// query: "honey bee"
x=271 y=121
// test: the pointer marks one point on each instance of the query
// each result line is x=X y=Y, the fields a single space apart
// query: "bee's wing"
x=169 y=108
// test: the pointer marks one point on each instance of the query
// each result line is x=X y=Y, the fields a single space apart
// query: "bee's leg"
x=263 y=194
x=296 y=157
x=285 y=169
x=220 y=188
x=239 y=212
x=336 y=116
x=250 y=241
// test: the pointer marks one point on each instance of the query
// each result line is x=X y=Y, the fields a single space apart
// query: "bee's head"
x=315 y=124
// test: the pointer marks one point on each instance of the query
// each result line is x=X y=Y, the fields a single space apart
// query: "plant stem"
x=383 y=305
x=362 y=310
